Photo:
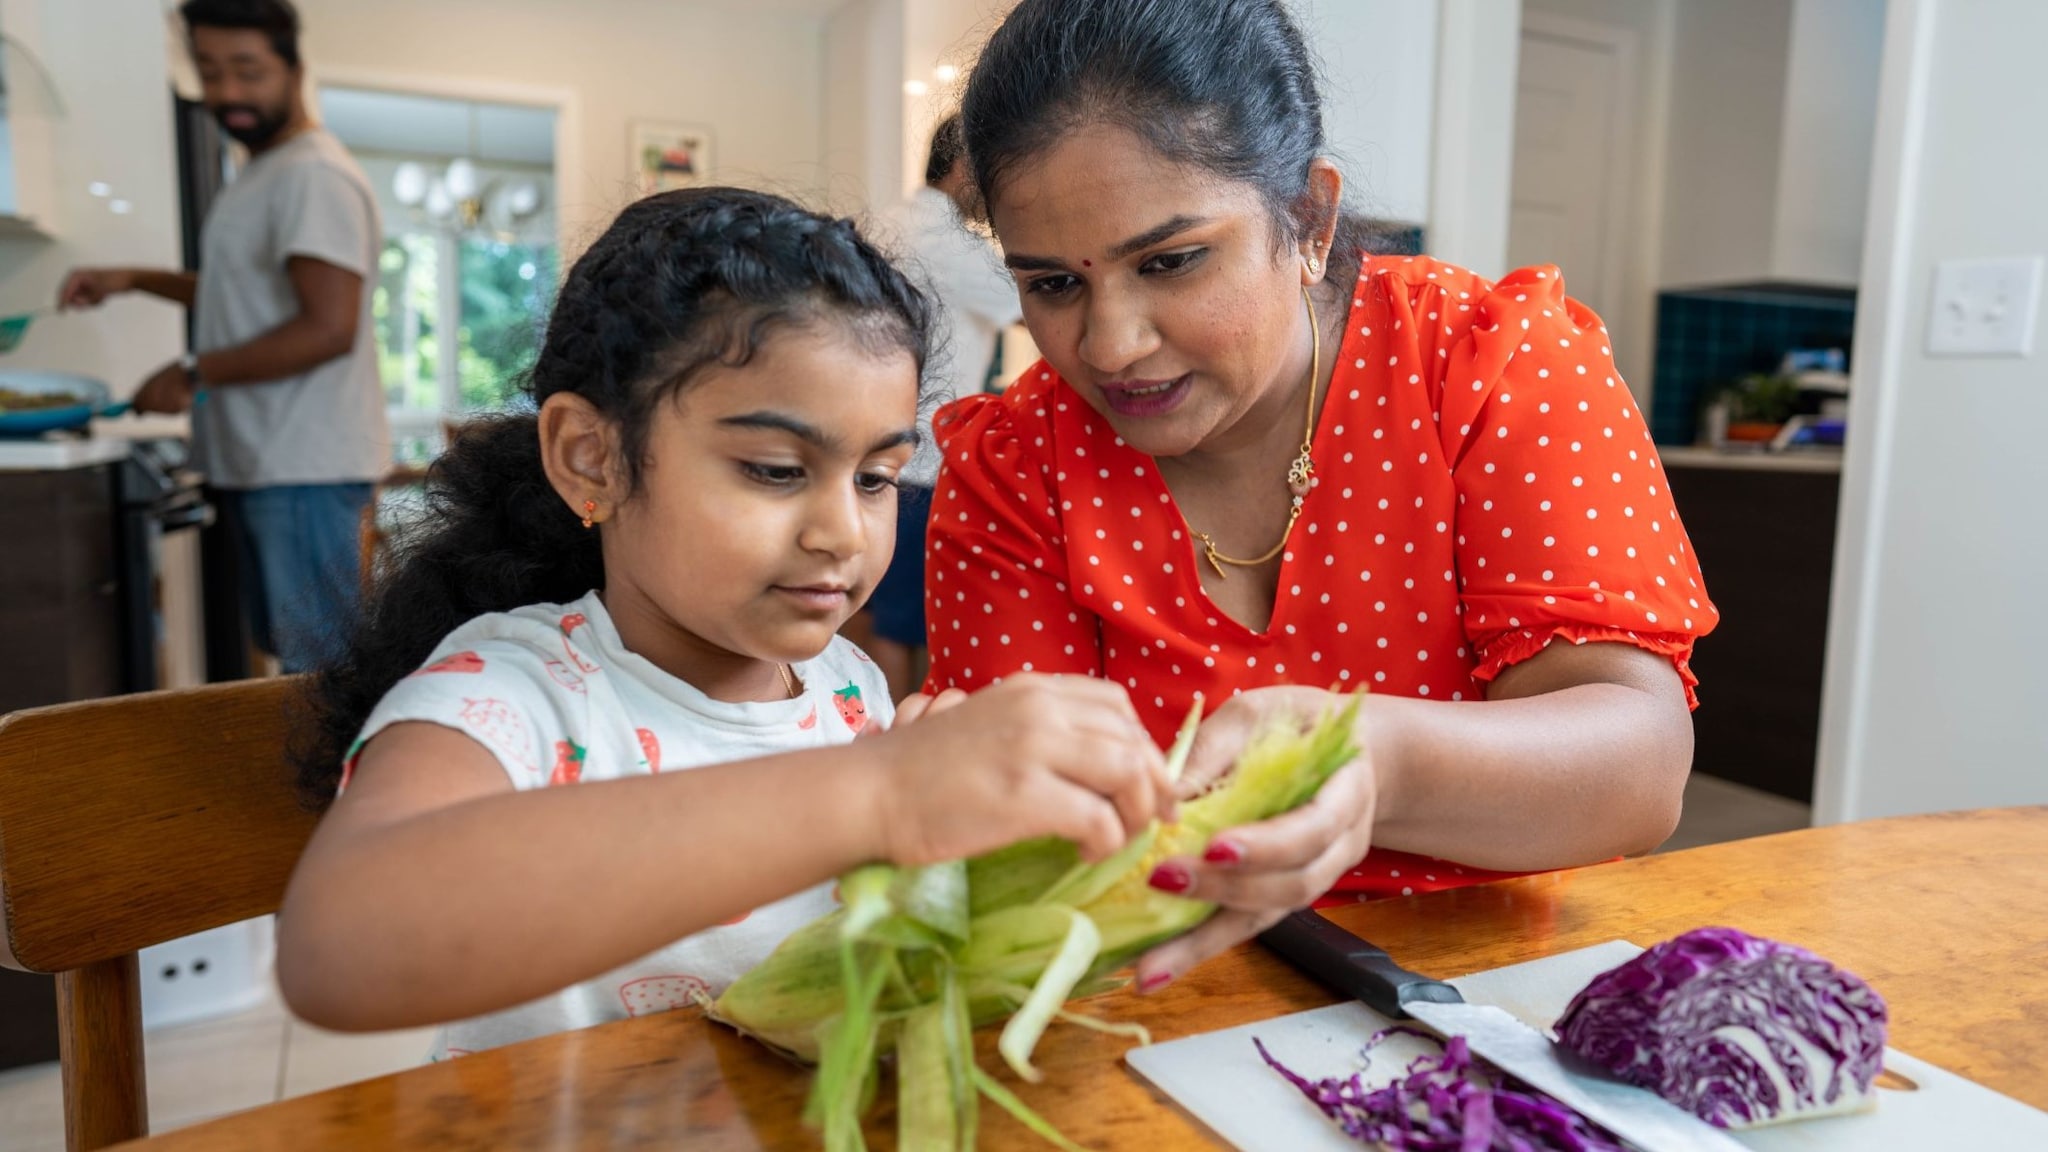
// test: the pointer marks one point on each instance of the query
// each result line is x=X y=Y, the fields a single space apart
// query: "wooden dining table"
x=1946 y=915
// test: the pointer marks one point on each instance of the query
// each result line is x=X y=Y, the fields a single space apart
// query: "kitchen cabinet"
x=1764 y=531
x=60 y=606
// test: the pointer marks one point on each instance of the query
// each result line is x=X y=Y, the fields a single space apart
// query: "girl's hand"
x=918 y=705
x=1260 y=872
x=1032 y=756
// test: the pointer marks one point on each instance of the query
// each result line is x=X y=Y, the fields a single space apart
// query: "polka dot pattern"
x=1484 y=487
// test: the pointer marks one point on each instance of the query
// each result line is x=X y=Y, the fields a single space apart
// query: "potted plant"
x=1758 y=406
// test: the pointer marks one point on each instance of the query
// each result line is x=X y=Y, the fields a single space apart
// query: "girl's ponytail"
x=493 y=536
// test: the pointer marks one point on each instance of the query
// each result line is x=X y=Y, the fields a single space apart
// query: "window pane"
x=506 y=292
x=403 y=308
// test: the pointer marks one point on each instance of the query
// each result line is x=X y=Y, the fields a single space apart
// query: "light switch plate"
x=1984 y=307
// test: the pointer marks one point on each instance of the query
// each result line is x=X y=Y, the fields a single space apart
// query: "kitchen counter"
x=1799 y=460
x=1947 y=916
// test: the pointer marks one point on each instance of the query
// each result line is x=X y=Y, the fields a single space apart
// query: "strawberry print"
x=852 y=708
x=650 y=749
x=568 y=763
x=570 y=623
x=459 y=662
x=810 y=721
x=565 y=677
x=662 y=994
x=498 y=725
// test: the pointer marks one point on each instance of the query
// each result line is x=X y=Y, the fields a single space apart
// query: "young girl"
x=592 y=752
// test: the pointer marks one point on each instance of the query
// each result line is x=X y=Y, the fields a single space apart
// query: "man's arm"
x=88 y=287
x=330 y=309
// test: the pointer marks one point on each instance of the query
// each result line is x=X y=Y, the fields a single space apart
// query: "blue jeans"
x=301 y=561
x=897 y=606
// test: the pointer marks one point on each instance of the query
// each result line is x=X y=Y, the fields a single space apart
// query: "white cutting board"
x=1219 y=1077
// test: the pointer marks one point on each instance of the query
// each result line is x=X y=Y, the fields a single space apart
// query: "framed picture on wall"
x=669 y=156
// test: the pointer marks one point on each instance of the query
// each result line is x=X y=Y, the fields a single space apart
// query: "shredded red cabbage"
x=1448 y=1103
x=1736 y=1029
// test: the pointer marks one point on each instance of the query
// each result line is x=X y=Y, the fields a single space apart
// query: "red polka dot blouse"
x=1485 y=487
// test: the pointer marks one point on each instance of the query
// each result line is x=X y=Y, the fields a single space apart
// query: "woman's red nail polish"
x=1155 y=982
x=1171 y=878
x=1224 y=852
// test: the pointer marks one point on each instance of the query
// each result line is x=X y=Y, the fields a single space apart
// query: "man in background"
x=287 y=408
x=977 y=300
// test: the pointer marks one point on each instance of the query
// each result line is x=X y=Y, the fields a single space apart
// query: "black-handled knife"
x=1361 y=970
x=1358 y=968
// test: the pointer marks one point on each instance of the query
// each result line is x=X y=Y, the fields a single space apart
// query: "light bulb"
x=915 y=87
x=461 y=178
x=945 y=73
x=440 y=201
x=409 y=184
x=523 y=198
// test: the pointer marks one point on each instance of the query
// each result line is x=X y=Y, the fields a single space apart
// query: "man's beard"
x=261 y=131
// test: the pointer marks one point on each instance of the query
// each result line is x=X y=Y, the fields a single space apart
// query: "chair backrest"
x=128 y=822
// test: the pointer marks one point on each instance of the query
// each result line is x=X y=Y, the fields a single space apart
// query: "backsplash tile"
x=1707 y=337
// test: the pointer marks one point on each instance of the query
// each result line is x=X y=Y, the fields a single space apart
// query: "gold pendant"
x=1299 y=475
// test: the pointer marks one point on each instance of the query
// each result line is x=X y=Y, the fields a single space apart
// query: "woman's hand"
x=1032 y=756
x=1260 y=872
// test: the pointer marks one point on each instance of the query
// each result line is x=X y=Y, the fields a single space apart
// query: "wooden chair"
x=129 y=822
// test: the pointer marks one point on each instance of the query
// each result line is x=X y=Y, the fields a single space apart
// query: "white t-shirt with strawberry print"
x=554 y=695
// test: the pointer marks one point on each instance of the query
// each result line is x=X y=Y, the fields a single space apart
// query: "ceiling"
x=373 y=121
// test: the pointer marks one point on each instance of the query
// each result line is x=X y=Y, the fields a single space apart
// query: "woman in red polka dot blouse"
x=1262 y=466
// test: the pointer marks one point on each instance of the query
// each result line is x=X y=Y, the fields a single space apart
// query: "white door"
x=1571 y=201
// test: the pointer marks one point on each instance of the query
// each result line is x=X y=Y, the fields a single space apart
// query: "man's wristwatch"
x=190 y=363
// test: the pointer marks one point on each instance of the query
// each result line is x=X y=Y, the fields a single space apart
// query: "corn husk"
x=917 y=957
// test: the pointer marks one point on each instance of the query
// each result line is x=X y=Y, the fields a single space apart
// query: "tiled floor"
x=1717 y=811
x=197 y=1071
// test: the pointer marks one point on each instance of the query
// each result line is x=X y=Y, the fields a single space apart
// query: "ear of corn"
x=917 y=957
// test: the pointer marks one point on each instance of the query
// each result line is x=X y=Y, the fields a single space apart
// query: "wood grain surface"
x=1946 y=915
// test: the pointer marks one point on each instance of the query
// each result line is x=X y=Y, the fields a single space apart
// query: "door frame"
x=1623 y=163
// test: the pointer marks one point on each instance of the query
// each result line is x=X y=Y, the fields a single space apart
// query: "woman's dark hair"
x=1225 y=86
x=276 y=19
x=948 y=148
x=680 y=281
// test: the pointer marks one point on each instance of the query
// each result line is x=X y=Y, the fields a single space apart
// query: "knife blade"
x=1363 y=971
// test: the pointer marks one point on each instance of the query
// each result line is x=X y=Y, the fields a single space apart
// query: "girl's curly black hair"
x=679 y=281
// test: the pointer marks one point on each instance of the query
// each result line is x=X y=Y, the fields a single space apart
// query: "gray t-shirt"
x=963 y=274
x=306 y=197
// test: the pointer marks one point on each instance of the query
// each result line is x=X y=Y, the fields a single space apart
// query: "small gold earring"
x=1315 y=266
x=589 y=513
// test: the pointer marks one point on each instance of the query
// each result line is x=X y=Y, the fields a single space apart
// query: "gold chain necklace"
x=1299 y=474
x=788 y=681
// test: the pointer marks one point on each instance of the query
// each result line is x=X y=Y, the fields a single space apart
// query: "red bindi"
x=1087 y=263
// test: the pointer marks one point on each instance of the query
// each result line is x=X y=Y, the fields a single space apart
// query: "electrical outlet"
x=1984 y=307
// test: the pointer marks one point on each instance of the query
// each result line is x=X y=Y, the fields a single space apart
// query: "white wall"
x=1726 y=121
x=1472 y=134
x=1824 y=152
x=862 y=122
x=1379 y=65
x=1653 y=23
x=752 y=73
x=939 y=33
x=108 y=62
x=1935 y=674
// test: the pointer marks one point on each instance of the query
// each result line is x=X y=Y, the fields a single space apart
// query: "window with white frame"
x=469 y=263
